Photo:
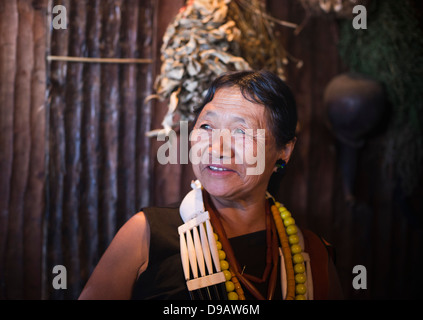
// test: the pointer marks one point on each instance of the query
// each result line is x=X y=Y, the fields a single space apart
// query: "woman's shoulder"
x=163 y=216
x=124 y=258
x=161 y=210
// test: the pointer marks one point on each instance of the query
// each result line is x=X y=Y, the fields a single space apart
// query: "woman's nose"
x=221 y=145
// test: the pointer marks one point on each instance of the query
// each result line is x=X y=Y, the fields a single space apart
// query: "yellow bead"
x=300 y=289
x=229 y=286
x=288 y=221
x=300 y=278
x=293 y=239
x=300 y=297
x=296 y=248
x=227 y=274
x=299 y=268
x=224 y=265
x=292 y=229
x=282 y=209
x=233 y=296
x=298 y=258
x=219 y=245
x=216 y=236
x=222 y=254
x=277 y=204
x=285 y=214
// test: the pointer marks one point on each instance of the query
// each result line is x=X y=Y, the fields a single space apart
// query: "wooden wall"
x=75 y=163
x=99 y=166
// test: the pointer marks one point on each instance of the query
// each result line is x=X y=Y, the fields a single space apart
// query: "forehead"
x=229 y=102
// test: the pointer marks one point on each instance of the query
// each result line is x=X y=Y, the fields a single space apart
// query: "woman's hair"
x=265 y=88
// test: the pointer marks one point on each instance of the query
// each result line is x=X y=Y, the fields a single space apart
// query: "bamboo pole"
x=21 y=147
x=128 y=88
x=34 y=203
x=72 y=121
x=98 y=60
x=109 y=116
x=56 y=155
x=8 y=39
x=147 y=43
x=90 y=140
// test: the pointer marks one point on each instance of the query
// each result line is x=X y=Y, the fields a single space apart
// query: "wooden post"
x=34 y=204
x=8 y=47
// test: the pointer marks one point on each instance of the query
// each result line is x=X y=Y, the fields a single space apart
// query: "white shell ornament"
x=192 y=205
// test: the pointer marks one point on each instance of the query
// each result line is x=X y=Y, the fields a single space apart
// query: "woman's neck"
x=241 y=217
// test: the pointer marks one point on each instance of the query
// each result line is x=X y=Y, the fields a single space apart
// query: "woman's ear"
x=285 y=154
x=286 y=151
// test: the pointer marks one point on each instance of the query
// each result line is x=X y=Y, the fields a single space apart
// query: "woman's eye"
x=240 y=131
x=205 y=126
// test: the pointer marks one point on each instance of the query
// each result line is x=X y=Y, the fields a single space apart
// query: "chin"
x=221 y=188
x=218 y=191
x=217 y=188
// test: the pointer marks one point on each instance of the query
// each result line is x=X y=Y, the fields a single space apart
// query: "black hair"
x=265 y=88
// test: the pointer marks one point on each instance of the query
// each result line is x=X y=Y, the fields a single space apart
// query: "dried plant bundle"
x=206 y=39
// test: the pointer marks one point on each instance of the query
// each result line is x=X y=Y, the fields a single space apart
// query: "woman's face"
x=237 y=150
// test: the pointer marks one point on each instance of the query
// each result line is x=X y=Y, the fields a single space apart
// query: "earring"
x=280 y=164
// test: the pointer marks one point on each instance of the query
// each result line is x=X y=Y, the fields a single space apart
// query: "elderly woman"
x=264 y=255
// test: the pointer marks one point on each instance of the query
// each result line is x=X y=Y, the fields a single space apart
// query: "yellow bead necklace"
x=292 y=253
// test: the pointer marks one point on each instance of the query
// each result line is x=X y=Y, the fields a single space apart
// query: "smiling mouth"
x=213 y=168
x=219 y=170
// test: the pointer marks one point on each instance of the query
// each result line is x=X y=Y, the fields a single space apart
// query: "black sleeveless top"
x=164 y=278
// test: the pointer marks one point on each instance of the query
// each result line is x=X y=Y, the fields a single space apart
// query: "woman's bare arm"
x=121 y=264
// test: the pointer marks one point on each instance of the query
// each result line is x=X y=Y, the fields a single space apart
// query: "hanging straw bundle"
x=207 y=38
